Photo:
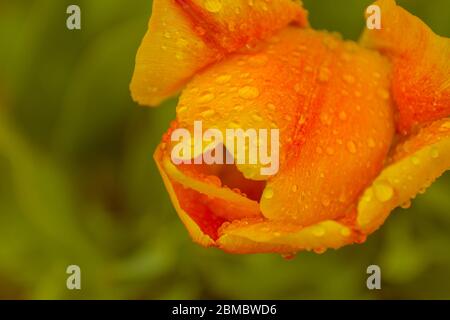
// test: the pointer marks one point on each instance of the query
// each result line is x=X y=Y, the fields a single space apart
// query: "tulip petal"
x=415 y=164
x=185 y=36
x=196 y=233
x=421 y=65
x=202 y=203
x=277 y=237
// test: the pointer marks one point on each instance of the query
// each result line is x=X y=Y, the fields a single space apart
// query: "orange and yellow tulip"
x=363 y=125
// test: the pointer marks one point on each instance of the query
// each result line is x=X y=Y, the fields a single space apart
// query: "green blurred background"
x=78 y=184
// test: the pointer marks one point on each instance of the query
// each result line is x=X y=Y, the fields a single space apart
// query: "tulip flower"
x=363 y=126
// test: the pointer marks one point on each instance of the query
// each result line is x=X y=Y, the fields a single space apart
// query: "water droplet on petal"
x=213 y=6
x=324 y=74
x=248 y=92
x=208 y=113
x=268 y=193
x=223 y=79
x=258 y=60
x=182 y=109
x=445 y=126
x=415 y=160
x=345 y=232
x=288 y=256
x=318 y=231
x=271 y=106
x=257 y=117
x=406 y=205
x=319 y=250
x=342 y=115
x=179 y=56
x=182 y=42
x=348 y=78
x=383 y=191
x=325 y=119
x=325 y=201
x=434 y=152
x=384 y=94
x=207 y=97
x=351 y=147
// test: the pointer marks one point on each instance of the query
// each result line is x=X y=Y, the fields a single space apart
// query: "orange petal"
x=421 y=65
x=415 y=164
x=185 y=36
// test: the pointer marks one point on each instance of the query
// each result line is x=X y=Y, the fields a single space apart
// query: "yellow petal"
x=202 y=203
x=185 y=36
x=193 y=228
x=271 y=236
x=415 y=164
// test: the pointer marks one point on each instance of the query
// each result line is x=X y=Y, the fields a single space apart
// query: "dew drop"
x=349 y=78
x=345 y=232
x=371 y=143
x=258 y=60
x=301 y=120
x=208 y=113
x=222 y=79
x=383 y=94
x=288 y=256
x=271 y=106
x=318 y=231
x=207 y=97
x=406 y=204
x=233 y=125
x=268 y=193
x=248 y=92
x=182 y=109
x=325 y=201
x=434 y=152
x=294 y=188
x=342 y=115
x=415 y=160
x=383 y=191
x=330 y=151
x=325 y=119
x=319 y=250
x=342 y=198
x=257 y=117
x=213 y=5
x=324 y=74
x=182 y=42
x=445 y=126
x=179 y=56
x=346 y=57
x=351 y=147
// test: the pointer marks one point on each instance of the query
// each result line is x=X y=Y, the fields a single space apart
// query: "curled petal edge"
x=416 y=163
